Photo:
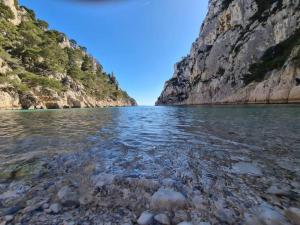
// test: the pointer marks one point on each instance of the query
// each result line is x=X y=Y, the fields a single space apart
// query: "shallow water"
x=209 y=146
x=124 y=134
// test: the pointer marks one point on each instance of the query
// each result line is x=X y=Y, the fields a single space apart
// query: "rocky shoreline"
x=74 y=188
x=45 y=98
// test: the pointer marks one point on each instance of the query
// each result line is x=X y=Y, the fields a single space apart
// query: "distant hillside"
x=42 y=68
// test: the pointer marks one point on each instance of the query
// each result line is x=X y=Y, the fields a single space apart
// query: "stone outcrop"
x=40 y=98
x=12 y=5
x=76 y=96
x=9 y=98
x=247 y=52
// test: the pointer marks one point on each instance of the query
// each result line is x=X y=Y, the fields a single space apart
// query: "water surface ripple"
x=228 y=161
x=271 y=132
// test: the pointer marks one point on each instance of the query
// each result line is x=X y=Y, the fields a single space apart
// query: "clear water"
x=228 y=156
x=152 y=141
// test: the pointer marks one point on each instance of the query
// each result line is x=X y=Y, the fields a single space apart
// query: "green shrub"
x=264 y=9
x=3 y=79
x=87 y=64
x=4 y=55
x=55 y=59
x=33 y=80
x=30 y=13
x=76 y=73
x=54 y=35
x=30 y=33
x=15 y=83
x=273 y=58
x=42 y=24
x=5 y=12
x=22 y=87
x=9 y=35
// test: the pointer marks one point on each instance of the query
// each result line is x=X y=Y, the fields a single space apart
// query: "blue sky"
x=138 y=40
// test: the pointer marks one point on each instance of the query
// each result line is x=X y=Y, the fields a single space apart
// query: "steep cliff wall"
x=43 y=69
x=248 y=51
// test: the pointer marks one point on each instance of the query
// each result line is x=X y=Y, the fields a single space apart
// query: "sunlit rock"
x=146 y=218
x=293 y=214
x=162 y=219
x=167 y=199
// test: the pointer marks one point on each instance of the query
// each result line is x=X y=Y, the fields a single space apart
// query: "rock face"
x=46 y=98
x=46 y=70
x=12 y=5
x=247 y=52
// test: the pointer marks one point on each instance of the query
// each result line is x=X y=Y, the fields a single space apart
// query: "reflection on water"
x=149 y=132
x=22 y=132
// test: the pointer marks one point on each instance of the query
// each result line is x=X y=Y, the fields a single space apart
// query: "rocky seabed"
x=199 y=189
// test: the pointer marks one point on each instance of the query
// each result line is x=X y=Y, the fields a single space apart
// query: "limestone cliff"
x=248 y=51
x=43 y=69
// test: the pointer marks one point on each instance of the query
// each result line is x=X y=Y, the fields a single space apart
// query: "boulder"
x=27 y=101
x=103 y=179
x=180 y=216
x=278 y=190
x=265 y=215
x=68 y=197
x=146 y=218
x=168 y=199
x=55 y=208
x=293 y=214
x=162 y=219
x=8 y=218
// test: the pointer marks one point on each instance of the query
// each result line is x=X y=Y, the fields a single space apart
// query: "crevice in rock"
x=297 y=81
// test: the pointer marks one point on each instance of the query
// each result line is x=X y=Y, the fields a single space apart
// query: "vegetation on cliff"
x=38 y=57
x=273 y=58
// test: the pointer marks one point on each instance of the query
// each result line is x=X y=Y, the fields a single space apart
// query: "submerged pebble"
x=162 y=219
x=279 y=189
x=8 y=218
x=146 y=218
x=68 y=197
x=55 y=208
x=265 y=215
x=168 y=199
x=185 y=223
x=244 y=168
